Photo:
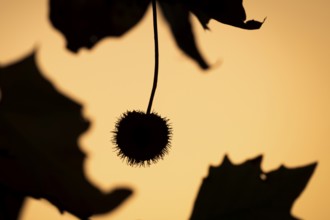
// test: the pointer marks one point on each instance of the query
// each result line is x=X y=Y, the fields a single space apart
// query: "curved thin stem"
x=154 y=86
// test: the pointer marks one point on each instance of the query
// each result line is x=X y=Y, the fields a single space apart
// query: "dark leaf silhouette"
x=39 y=153
x=178 y=17
x=229 y=12
x=244 y=192
x=84 y=23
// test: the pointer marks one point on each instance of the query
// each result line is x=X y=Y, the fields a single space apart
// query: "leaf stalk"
x=154 y=86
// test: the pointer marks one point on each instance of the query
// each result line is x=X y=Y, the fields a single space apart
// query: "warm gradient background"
x=268 y=93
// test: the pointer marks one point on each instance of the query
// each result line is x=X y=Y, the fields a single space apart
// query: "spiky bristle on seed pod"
x=142 y=139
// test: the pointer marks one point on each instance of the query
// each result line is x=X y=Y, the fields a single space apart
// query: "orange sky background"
x=268 y=93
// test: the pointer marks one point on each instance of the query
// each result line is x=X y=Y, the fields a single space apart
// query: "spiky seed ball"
x=142 y=138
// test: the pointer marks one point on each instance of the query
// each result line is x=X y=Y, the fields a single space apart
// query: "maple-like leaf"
x=84 y=23
x=39 y=152
x=245 y=192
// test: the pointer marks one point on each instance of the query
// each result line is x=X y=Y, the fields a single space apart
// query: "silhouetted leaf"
x=229 y=12
x=84 y=23
x=178 y=17
x=244 y=192
x=40 y=156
